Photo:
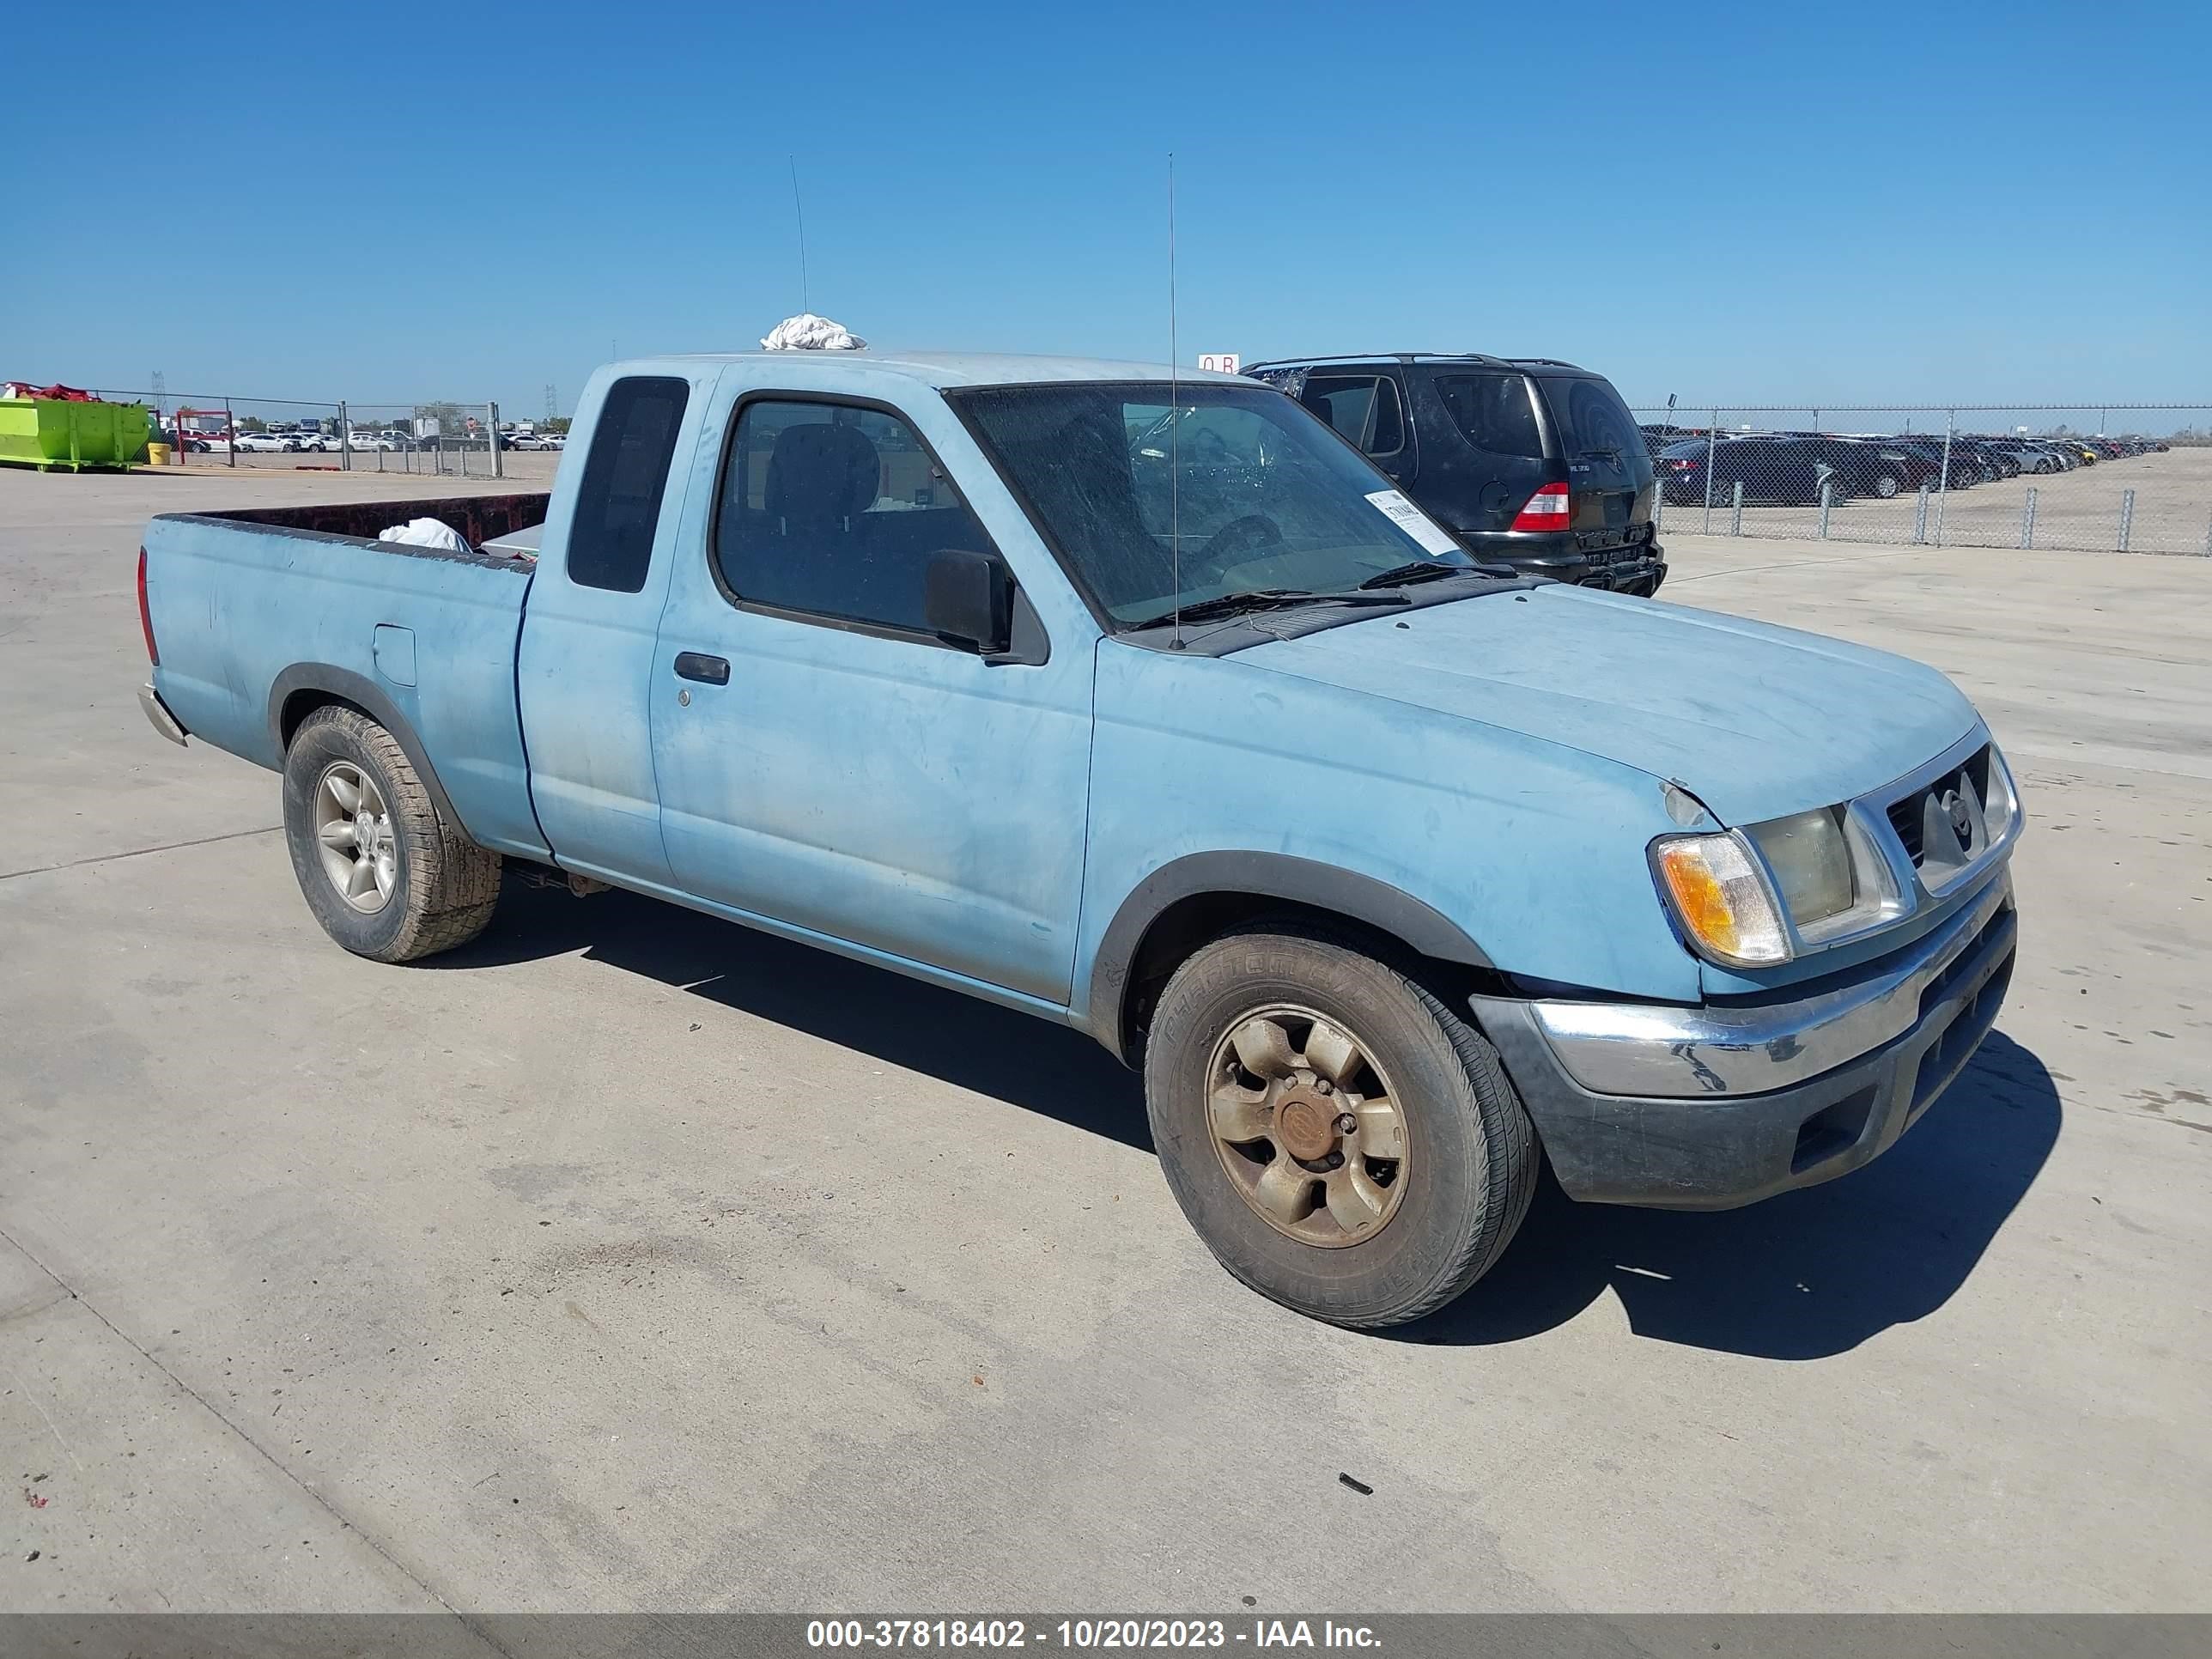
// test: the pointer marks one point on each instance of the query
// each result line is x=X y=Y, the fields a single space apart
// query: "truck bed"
x=261 y=614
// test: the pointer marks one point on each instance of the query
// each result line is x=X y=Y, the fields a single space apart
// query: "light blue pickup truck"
x=1137 y=700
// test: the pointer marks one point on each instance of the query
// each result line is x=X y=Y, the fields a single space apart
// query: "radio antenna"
x=799 y=213
x=1175 y=426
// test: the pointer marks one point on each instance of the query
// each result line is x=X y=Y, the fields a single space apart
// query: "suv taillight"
x=146 y=617
x=1546 y=510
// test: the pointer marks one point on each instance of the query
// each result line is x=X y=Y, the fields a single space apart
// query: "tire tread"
x=452 y=885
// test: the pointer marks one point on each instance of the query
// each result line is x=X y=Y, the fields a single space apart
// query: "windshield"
x=1229 y=490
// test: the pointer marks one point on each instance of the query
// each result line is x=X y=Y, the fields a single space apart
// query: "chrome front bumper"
x=1727 y=1103
x=1639 y=1048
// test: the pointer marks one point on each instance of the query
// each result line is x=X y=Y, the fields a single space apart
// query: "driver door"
x=826 y=762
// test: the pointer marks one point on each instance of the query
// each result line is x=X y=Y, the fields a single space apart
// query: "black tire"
x=1471 y=1155
x=446 y=886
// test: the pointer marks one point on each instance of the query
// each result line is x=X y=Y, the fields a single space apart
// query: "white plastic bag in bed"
x=427 y=532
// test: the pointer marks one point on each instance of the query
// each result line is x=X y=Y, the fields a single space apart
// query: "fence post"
x=2207 y=538
x=1920 y=518
x=2028 y=520
x=230 y=429
x=1735 y=523
x=2127 y=516
x=1943 y=479
x=1828 y=494
x=491 y=425
x=345 y=439
x=1712 y=438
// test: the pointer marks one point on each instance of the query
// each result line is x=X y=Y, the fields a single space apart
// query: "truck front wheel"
x=1342 y=1142
x=386 y=877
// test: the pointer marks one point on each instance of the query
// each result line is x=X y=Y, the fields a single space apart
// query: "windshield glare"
x=1227 y=490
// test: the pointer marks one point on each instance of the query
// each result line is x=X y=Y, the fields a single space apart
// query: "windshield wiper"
x=1264 y=598
x=1421 y=571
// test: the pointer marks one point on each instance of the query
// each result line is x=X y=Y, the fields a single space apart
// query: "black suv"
x=1530 y=462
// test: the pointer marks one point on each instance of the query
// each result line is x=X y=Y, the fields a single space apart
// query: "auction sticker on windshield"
x=1419 y=526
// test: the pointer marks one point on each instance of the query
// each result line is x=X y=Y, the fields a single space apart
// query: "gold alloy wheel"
x=1308 y=1128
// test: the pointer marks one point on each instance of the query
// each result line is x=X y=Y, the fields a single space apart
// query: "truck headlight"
x=1720 y=899
x=1811 y=864
x=1753 y=897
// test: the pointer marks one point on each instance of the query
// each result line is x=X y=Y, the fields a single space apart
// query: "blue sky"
x=1826 y=203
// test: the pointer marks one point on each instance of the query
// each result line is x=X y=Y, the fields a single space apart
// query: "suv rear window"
x=1592 y=420
x=1493 y=412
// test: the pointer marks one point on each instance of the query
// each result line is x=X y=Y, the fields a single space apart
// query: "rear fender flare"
x=337 y=685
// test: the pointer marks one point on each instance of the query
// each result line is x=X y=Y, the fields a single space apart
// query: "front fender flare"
x=1264 y=875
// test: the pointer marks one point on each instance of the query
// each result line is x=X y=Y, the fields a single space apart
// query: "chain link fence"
x=441 y=438
x=2132 y=478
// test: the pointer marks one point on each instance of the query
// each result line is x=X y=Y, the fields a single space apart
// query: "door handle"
x=707 y=671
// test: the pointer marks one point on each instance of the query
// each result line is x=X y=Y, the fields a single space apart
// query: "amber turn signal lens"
x=1716 y=895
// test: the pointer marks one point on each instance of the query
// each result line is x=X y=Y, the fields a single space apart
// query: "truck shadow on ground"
x=1803 y=1276
x=1014 y=1057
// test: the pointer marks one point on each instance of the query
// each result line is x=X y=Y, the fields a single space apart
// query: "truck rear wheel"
x=1342 y=1142
x=386 y=877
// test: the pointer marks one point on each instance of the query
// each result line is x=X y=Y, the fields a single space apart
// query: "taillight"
x=1546 y=510
x=146 y=617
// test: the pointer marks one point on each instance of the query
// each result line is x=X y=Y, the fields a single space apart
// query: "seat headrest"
x=819 y=474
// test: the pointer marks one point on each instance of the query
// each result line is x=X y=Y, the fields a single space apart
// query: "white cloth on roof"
x=808 y=332
x=425 y=532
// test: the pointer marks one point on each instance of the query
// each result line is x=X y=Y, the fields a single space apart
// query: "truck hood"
x=1755 y=720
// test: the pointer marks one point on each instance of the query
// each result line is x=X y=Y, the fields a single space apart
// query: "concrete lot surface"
x=626 y=1260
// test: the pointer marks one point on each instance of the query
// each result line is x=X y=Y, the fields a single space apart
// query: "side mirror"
x=967 y=600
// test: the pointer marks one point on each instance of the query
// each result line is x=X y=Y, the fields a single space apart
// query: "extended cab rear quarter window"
x=625 y=476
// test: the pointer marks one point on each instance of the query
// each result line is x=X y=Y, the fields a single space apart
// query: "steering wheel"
x=1255 y=531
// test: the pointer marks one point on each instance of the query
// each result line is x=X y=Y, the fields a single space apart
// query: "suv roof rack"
x=1397 y=357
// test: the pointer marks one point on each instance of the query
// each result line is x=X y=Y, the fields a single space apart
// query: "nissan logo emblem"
x=1961 y=817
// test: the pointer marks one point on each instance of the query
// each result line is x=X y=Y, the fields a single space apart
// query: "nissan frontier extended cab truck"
x=1140 y=701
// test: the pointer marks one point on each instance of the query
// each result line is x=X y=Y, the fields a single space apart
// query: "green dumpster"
x=57 y=432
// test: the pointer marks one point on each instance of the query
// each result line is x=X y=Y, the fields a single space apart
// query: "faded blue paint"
x=891 y=791
x=585 y=671
x=394 y=651
x=1500 y=759
x=234 y=605
x=1757 y=721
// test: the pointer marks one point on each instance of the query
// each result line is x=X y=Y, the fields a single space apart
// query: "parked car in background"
x=265 y=443
x=1529 y=461
x=1772 y=471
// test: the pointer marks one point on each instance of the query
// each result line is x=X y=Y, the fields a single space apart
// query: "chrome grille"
x=1909 y=816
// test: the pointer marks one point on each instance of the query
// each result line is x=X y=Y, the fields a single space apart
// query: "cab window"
x=835 y=510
